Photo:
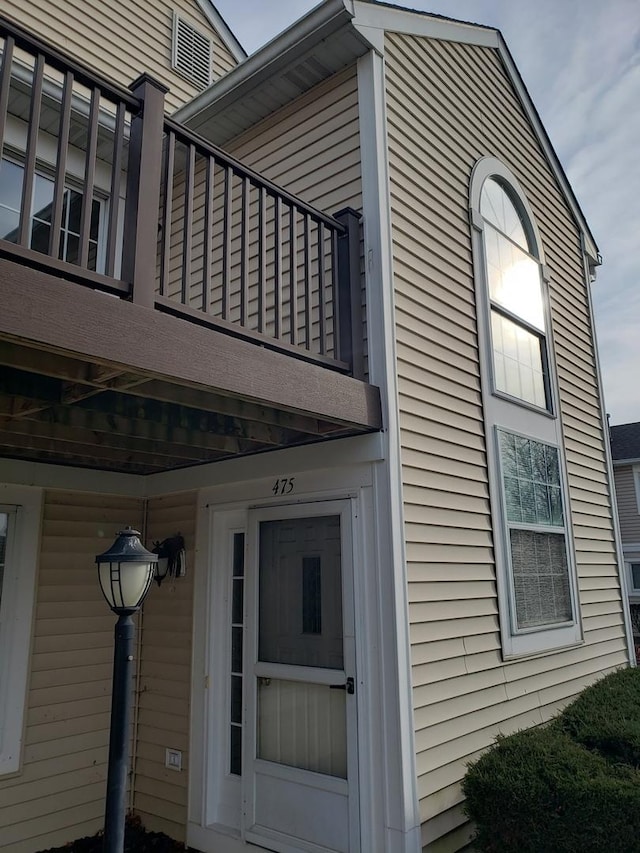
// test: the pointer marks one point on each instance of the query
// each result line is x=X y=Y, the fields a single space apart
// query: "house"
x=328 y=316
x=625 y=452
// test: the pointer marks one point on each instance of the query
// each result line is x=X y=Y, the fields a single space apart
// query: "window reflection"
x=11 y=182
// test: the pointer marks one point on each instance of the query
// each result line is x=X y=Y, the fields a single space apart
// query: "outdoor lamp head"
x=125 y=572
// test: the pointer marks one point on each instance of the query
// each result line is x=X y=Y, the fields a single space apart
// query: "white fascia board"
x=44 y=475
x=220 y=25
x=619 y=463
x=590 y=247
x=278 y=52
x=342 y=451
x=370 y=16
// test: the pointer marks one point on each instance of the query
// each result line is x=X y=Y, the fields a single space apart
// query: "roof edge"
x=373 y=14
x=590 y=245
x=224 y=31
x=301 y=31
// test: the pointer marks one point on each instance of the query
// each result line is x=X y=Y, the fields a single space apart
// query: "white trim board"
x=222 y=28
x=344 y=451
x=401 y=808
x=17 y=616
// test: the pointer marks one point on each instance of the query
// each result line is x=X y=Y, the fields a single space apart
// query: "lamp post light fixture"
x=125 y=573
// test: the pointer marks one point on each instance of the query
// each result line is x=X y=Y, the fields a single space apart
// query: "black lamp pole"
x=125 y=572
x=119 y=735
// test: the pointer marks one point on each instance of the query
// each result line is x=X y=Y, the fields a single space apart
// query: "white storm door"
x=300 y=770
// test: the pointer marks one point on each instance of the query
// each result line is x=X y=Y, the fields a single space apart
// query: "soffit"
x=331 y=37
x=276 y=75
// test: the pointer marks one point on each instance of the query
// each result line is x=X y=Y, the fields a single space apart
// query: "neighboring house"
x=625 y=451
x=383 y=443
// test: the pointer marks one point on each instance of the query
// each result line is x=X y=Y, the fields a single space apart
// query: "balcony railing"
x=98 y=185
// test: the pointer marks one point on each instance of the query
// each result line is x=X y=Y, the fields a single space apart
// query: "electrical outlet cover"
x=173 y=759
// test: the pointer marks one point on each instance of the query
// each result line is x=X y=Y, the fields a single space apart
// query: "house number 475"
x=283 y=486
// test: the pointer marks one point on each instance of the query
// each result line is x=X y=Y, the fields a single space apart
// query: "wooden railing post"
x=349 y=334
x=143 y=191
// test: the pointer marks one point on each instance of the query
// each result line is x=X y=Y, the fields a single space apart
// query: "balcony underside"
x=92 y=380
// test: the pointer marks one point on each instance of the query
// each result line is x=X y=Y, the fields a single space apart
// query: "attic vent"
x=191 y=52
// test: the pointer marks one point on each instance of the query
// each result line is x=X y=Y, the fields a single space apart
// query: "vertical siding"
x=627 y=501
x=59 y=793
x=449 y=105
x=160 y=795
x=121 y=39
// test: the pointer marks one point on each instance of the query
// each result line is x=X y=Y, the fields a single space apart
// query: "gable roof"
x=220 y=25
x=331 y=36
x=625 y=442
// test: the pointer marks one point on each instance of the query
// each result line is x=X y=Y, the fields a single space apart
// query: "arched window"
x=520 y=361
x=529 y=499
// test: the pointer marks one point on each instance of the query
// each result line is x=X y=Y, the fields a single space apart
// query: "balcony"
x=236 y=324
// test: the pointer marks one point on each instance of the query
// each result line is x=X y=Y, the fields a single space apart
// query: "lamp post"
x=125 y=573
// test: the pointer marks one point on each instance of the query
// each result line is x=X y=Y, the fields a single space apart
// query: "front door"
x=301 y=760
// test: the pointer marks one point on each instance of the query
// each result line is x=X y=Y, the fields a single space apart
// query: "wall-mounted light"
x=172 y=558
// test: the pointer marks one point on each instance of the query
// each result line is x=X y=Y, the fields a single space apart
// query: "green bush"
x=606 y=717
x=570 y=787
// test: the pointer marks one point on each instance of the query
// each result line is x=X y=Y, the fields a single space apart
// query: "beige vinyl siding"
x=447 y=106
x=311 y=147
x=627 y=500
x=58 y=795
x=160 y=794
x=121 y=40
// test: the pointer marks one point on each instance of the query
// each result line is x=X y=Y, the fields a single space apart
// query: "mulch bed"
x=137 y=840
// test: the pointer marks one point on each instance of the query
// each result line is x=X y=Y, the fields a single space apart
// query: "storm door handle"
x=349 y=686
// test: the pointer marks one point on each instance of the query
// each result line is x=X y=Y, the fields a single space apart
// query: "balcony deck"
x=236 y=326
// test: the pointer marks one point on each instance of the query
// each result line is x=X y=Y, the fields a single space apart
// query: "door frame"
x=347 y=509
x=345 y=468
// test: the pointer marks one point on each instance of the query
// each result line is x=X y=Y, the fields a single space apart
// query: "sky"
x=580 y=60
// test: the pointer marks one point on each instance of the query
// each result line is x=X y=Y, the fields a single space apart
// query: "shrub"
x=570 y=786
x=606 y=717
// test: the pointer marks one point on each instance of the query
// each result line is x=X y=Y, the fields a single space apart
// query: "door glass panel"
x=237 y=643
x=4 y=523
x=300 y=614
x=302 y=725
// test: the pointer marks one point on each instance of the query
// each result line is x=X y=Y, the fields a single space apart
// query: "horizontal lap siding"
x=121 y=40
x=160 y=796
x=58 y=795
x=448 y=105
x=311 y=147
x=627 y=504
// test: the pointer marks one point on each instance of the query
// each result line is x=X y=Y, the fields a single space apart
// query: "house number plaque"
x=283 y=486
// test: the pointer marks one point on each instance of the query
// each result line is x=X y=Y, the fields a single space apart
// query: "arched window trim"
x=506 y=414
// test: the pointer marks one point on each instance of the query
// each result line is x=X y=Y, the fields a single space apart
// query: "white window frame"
x=635 y=470
x=16 y=617
x=45 y=171
x=509 y=414
x=630 y=561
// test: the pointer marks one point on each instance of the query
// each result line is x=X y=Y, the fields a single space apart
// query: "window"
x=517 y=313
x=535 y=531
x=192 y=52
x=11 y=179
x=634 y=578
x=529 y=499
x=20 y=509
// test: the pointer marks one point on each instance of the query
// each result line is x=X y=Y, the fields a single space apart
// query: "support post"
x=119 y=735
x=349 y=333
x=143 y=191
